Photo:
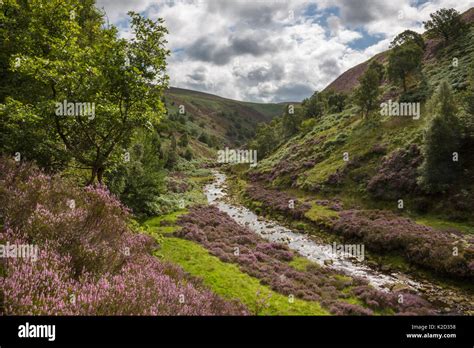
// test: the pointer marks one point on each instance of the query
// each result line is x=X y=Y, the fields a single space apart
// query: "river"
x=217 y=195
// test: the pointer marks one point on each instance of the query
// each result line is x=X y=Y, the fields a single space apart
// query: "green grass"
x=300 y=263
x=228 y=281
x=319 y=212
x=443 y=224
x=154 y=225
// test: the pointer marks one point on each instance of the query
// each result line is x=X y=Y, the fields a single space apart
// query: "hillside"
x=349 y=79
x=228 y=122
x=312 y=160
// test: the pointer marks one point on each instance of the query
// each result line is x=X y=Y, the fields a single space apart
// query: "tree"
x=337 y=101
x=367 y=93
x=291 y=121
x=442 y=140
x=72 y=58
x=314 y=106
x=172 y=153
x=446 y=24
x=139 y=179
x=406 y=37
x=404 y=60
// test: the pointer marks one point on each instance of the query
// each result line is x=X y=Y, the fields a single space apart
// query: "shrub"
x=397 y=175
x=384 y=231
x=268 y=261
x=91 y=261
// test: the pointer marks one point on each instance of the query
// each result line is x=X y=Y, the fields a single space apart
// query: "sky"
x=273 y=50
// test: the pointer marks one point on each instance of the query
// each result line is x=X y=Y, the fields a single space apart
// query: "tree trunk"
x=100 y=174
x=93 y=175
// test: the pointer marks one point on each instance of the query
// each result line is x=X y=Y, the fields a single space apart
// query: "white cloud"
x=272 y=50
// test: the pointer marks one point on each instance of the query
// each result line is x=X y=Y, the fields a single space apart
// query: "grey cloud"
x=204 y=49
x=252 y=13
x=330 y=67
x=361 y=12
x=199 y=75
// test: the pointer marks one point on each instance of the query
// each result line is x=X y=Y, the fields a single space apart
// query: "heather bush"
x=268 y=262
x=397 y=175
x=91 y=261
x=277 y=200
x=442 y=251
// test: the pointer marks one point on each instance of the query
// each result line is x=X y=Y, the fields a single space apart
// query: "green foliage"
x=442 y=139
x=446 y=24
x=367 y=94
x=408 y=36
x=336 y=101
x=403 y=61
x=61 y=51
x=139 y=179
x=188 y=154
x=468 y=115
x=266 y=138
x=314 y=106
x=183 y=140
x=172 y=158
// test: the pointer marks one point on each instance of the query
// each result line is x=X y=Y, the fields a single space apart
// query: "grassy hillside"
x=312 y=160
x=227 y=122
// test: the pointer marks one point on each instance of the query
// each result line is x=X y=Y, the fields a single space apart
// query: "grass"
x=228 y=281
x=319 y=212
x=165 y=224
x=300 y=263
x=443 y=224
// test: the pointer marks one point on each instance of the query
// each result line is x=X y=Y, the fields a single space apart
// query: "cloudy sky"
x=273 y=50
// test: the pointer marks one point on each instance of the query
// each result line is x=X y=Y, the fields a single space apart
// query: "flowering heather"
x=434 y=249
x=90 y=262
x=231 y=242
x=277 y=200
x=397 y=174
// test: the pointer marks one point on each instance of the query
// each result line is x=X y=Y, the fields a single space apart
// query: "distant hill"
x=228 y=121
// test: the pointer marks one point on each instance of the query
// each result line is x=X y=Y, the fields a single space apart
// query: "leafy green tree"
x=403 y=61
x=291 y=121
x=139 y=177
x=314 y=106
x=66 y=52
x=446 y=24
x=367 y=93
x=337 y=101
x=442 y=140
x=266 y=138
x=172 y=159
x=406 y=37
